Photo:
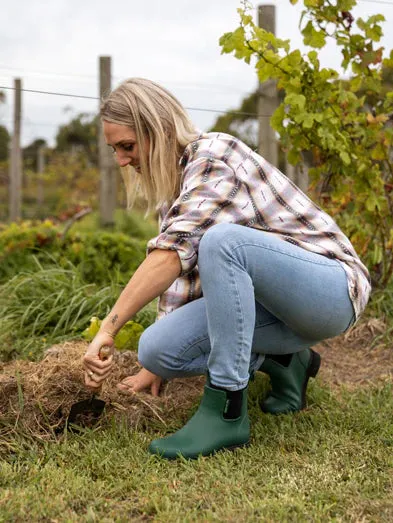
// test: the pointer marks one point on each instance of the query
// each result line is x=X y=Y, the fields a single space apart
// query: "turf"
x=331 y=462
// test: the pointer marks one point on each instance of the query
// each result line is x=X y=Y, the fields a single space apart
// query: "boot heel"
x=314 y=365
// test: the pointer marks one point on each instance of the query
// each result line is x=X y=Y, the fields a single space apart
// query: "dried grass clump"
x=37 y=397
x=359 y=357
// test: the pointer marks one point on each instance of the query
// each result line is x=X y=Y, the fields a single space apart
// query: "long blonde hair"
x=151 y=112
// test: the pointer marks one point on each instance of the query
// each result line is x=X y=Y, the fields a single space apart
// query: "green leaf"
x=312 y=37
x=308 y=120
x=313 y=56
x=379 y=152
x=126 y=339
x=345 y=157
x=294 y=157
x=265 y=71
x=297 y=100
x=276 y=121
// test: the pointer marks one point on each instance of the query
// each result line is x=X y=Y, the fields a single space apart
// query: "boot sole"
x=230 y=448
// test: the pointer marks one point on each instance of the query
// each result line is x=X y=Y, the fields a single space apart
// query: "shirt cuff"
x=187 y=255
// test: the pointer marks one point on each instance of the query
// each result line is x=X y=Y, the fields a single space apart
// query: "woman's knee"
x=215 y=239
x=148 y=350
x=159 y=351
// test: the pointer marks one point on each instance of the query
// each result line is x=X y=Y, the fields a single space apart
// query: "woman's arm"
x=155 y=274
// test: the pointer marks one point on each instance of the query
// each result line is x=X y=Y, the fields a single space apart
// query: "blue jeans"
x=261 y=295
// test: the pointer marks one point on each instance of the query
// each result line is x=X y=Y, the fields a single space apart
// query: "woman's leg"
x=179 y=346
x=304 y=298
x=305 y=293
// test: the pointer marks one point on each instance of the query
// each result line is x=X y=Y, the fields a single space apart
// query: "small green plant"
x=126 y=339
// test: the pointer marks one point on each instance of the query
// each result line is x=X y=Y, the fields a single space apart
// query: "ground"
x=39 y=395
x=358 y=357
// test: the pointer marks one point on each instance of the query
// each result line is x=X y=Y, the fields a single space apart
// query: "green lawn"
x=332 y=462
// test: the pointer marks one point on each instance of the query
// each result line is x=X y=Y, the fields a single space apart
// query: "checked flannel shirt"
x=223 y=180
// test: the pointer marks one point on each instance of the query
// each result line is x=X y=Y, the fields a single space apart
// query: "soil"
x=358 y=358
x=37 y=396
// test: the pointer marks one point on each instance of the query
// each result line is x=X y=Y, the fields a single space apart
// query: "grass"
x=333 y=462
x=47 y=305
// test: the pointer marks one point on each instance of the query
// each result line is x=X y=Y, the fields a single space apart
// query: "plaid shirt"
x=223 y=180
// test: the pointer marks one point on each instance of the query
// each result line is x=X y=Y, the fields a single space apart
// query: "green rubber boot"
x=208 y=430
x=289 y=381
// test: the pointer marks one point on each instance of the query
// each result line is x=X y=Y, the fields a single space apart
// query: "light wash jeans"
x=261 y=295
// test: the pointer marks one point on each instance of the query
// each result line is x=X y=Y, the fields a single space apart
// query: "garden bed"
x=37 y=396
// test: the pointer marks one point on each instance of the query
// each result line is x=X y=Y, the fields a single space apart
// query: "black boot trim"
x=233 y=405
x=282 y=359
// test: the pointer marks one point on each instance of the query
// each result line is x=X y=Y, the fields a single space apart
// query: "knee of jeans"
x=148 y=351
x=214 y=239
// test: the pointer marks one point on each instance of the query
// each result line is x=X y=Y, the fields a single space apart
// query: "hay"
x=37 y=397
x=358 y=358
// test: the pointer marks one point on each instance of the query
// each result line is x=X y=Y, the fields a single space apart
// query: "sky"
x=54 y=45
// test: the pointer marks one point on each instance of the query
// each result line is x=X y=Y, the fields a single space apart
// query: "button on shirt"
x=223 y=180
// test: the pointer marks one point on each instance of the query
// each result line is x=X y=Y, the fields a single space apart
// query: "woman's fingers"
x=130 y=384
x=95 y=377
x=92 y=380
x=96 y=365
x=155 y=387
x=141 y=381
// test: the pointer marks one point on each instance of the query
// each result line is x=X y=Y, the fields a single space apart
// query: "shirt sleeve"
x=183 y=290
x=208 y=187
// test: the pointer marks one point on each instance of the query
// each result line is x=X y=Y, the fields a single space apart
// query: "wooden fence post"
x=105 y=158
x=268 y=97
x=40 y=171
x=15 y=169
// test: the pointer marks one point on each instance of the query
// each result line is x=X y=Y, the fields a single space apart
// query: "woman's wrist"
x=109 y=327
x=107 y=332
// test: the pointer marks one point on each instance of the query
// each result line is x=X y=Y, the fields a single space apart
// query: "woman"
x=276 y=273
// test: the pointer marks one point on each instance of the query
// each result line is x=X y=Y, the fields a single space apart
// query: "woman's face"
x=122 y=139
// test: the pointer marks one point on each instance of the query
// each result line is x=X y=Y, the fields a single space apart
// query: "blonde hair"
x=151 y=112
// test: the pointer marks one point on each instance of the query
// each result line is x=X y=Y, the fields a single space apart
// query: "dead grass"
x=357 y=358
x=37 y=397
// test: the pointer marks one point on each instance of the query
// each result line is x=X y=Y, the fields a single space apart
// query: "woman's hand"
x=143 y=380
x=96 y=369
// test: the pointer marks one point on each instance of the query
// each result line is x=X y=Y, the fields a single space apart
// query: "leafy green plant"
x=100 y=255
x=126 y=339
x=345 y=124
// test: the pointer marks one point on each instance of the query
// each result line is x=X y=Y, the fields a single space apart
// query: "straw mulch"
x=37 y=397
x=357 y=358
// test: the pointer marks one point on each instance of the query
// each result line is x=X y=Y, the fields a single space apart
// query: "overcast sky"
x=53 y=45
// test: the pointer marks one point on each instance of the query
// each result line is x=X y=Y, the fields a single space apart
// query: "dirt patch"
x=357 y=358
x=37 y=397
